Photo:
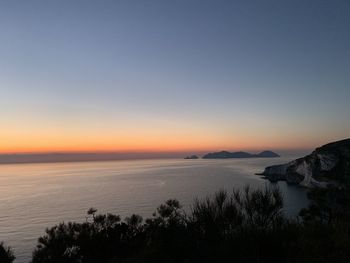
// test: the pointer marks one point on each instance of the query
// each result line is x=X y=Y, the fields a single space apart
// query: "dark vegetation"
x=6 y=254
x=241 y=226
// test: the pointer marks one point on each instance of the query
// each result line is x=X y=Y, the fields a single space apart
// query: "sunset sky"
x=173 y=75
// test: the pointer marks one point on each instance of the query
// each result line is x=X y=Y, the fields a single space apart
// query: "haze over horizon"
x=173 y=76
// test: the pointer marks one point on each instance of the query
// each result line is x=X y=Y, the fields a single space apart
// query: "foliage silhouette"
x=245 y=225
x=328 y=205
x=6 y=254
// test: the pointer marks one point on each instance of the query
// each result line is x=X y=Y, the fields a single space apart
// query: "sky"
x=173 y=75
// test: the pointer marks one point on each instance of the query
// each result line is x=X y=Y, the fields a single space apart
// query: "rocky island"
x=191 y=157
x=328 y=164
x=227 y=155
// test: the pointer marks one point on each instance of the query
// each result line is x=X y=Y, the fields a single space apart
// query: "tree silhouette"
x=6 y=254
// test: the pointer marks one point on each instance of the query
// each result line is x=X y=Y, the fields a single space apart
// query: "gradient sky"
x=173 y=75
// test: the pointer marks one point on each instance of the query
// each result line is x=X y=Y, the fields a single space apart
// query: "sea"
x=36 y=196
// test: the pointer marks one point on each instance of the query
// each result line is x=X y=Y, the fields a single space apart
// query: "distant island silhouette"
x=240 y=154
x=192 y=157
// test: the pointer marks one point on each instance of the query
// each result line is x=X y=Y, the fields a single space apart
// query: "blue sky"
x=245 y=74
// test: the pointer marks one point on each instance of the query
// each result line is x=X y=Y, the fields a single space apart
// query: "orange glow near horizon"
x=45 y=143
x=147 y=136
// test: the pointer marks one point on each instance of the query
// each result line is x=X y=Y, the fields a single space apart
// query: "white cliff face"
x=305 y=170
x=329 y=163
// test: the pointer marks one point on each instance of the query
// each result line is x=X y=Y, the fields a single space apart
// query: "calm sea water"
x=36 y=196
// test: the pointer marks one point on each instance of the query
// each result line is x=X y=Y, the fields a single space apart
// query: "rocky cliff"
x=329 y=164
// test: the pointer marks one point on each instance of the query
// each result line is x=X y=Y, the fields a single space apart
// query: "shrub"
x=6 y=254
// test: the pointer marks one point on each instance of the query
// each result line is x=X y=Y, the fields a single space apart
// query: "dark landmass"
x=329 y=164
x=191 y=157
x=227 y=155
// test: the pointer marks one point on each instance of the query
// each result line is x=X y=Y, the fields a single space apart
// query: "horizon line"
x=44 y=152
x=36 y=158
